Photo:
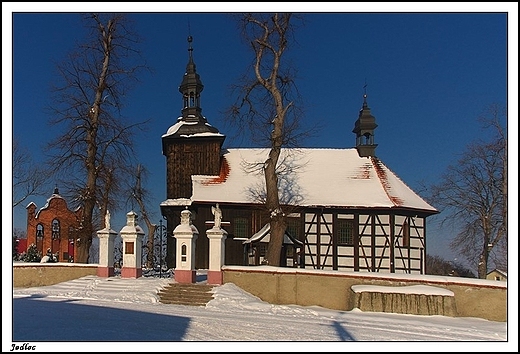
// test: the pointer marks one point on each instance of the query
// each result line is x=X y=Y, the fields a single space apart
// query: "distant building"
x=53 y=227
x=21 y=245
x=348 y=211
x=497 y=274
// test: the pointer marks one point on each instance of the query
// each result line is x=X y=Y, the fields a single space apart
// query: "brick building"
x=53 y=227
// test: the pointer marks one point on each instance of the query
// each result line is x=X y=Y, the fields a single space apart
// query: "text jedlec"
x=24 y=346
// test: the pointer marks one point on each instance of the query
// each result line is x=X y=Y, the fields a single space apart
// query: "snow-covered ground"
x=115 y=314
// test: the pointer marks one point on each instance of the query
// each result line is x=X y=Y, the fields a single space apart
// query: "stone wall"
x=26 y=275
x=329 y=289
x=332 y=289
x=411 y=299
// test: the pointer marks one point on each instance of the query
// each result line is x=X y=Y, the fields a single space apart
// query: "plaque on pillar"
x=129 y=248
x=132 y=235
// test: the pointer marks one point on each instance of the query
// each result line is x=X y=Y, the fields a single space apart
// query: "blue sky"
x=429 y=76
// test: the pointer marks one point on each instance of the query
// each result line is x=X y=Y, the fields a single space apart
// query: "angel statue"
x=215 y=210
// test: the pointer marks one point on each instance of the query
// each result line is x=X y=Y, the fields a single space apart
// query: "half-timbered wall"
x=409 y=244
x=333 y=239
x=318 y=240
x=345 y=251
x=373 y=242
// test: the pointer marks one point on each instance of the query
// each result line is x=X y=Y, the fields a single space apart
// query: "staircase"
x=186 y=294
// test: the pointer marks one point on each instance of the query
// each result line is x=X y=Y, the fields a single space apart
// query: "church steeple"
x=192 y=146
x=191 y=88
x=364 y=130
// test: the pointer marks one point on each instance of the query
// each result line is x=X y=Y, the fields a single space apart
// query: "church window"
x=39 y=232
x=240 y=227
x=293 y=227
x=55 y=229
x=345 y=232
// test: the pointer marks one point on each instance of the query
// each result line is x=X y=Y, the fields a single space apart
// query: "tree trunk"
x=84 y=240
x=150 y=244
x=277 y=220
x=482 y=266
x=274 y=249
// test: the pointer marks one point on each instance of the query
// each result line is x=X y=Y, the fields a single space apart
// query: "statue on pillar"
x=186 y=217
x=218 y=216
x=107 y=220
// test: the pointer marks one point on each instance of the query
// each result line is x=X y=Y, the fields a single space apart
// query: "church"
x=347 y=211
x=52 y=228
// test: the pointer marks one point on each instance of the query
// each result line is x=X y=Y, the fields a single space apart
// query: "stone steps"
x=186 y=294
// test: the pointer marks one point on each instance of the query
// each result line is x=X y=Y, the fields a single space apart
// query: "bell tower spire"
x=192 y=146
x=191 y=88
x=364 y=129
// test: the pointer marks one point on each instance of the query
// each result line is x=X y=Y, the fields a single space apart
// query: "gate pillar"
x=106 y=249
x=217 y=241
x=185 y=234
x=132 y=235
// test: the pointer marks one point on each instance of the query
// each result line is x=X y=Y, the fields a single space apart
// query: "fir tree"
x=32 y=254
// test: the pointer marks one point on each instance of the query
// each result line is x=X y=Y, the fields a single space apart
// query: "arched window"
x=369 y=139
x=55 y=229
x=39 y=232
x=183 y=253
x=39 y=237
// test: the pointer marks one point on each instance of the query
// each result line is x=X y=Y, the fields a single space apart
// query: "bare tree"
x=268 y=102
x=472 y=195
x=436 y=265
x=19 y=233
x=88 y=103
x=112 y=175
x=140 y=195
x=28 y=177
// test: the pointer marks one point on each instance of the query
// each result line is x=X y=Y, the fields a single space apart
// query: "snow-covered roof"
x=314 y=177
x=203 y=129
x=502 y=272
x=265 y=235
x=47 y=204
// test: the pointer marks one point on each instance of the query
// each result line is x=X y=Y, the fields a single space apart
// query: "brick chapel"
x=53 y=227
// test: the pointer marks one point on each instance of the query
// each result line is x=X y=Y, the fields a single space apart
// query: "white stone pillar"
x=106 y=252
x=132 y=235
x=185 y=234
x=217 y=240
